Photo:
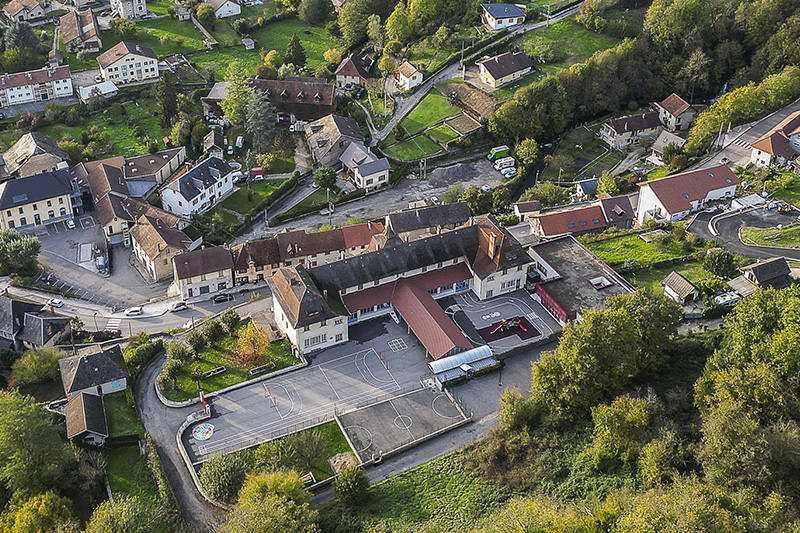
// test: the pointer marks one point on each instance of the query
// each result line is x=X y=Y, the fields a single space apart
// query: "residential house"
x=86 y=417
x=37 y=200
x=98 y=373
x=198 y=189
x=618 y=211
x=181 y=12
x=408 y=76
x=675 y=113
x=770 y=274
x=408 y=278
x=679 y=289
x=412 y=224
x=367 y=171
x=214 y=144
x=33 y=153
x=127 y=62
x=128 y=9
x=674 y=197
x=294 y=98
x=257 y=260
x=504 y=68
x=586 y=188
x=302 y=311
x=35 y=86
x=19 y=10
x=27 y=325
x=353 y=71
x=225 y=8
x=624 y=133
x=330 y=136
x=569 y=221
x=80 y=31
x=154 y=245
x=338 y=5
x=572 y=279
x=778 y=146
x=500 y=16
x=527 y=210
x=105 y=89
x=202 y=272
x=663 y=140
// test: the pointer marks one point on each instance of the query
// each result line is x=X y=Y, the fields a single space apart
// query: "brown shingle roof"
x=635 y=123
x=299 y=297
x=154 y=236
x=299 y=243
x=407 y=69
x=528 y=207
x=676 y=193
x=295 y=92
x=86 y=413
x=14 y=7
x=352 y=66
x=674 y=105
x=572 y=220
x=79 y=25
x=205 y=261
x=617 y=209
x=506 y=64
x=776 y=141
x=136 y=208
x=120 y=50
x=680 y=285
x=263 y=252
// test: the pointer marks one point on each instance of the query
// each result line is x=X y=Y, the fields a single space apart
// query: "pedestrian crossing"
x=740 y=142
x=113 y=323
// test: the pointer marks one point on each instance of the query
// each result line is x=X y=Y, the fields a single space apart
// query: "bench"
x=214 y=371
x=262 y=368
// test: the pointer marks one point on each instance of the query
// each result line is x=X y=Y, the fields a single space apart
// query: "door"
x=37 y=219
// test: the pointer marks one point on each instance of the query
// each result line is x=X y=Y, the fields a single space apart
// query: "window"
x=62 y=212
x=338 y=337
x=324 y=323
x=583 y=222
x=306 y=328
x=337 y=321
x=221 y=285
x=49 y=203
x=595 y=220
x=319 y=339
x=461 y=285
x=221 y=273
x=11 y=224
x=571 y=225
x=424 y=269
x=22 y=221
x=202 y=277
x=51 y=214
x=20 y=211
x=8 y=213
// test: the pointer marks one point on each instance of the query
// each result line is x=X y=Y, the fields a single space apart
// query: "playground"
x=388 y=426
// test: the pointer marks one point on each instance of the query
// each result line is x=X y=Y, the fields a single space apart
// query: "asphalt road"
x=729 y=227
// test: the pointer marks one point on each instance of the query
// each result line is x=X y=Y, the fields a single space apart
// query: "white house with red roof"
x=675 y=113
x=778 y=146
x=675 y=197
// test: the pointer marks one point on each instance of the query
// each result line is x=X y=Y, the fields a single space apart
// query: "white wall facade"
x=35 y=92
x=371 y=182
x=501 y=282
x=315 y=336
x=174 y=202
x=131 y=68
x=204 y=284
x=228 y=9
x=408 y=83
x=129 y=9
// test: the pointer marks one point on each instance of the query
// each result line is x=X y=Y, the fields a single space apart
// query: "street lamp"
x=95 y=322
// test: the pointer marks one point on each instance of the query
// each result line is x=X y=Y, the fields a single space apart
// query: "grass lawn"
x=317 y=197
x=443 y=133
x=651 y=278
x=787 y=237
x=261 y=189
x=128 y=473
x=281 y=165
x=222 y=355
x=223 y=28
x=432 y=109
x=228 y=219
x=273 y=36
x=121 y=416
x=337 y=443
x=578 y=148
x=507 y=91
x=542 y=4
x=571 y=42
x=416 y=148
x=183 y=36
x=790 y=192
x=658 y=172
x=620 y=249
x=142 y=112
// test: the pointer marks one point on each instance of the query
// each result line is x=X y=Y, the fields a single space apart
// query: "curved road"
x=729 y=227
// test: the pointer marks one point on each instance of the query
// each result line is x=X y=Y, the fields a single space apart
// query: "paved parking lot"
x=357 y=373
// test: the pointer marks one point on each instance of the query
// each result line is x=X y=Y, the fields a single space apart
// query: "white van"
x=506 y=162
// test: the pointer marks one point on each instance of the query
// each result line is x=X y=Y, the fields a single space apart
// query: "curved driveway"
x=729 y=227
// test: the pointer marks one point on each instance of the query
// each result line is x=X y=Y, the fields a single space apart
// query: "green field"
x=273 y=36
x=317 y=197
x=443 y=133
x=651 y=278
x=222 y=356
x=432 y=109
x=121 y=416
x=787 y=237
x=621 y=249
x=223 y=28
x=261 y=189
x=128 y=473
x=416 y=148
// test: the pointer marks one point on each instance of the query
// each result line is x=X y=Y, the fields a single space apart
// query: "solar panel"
x=19 y=198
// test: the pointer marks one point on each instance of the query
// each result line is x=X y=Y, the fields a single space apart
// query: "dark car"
x=222 y=298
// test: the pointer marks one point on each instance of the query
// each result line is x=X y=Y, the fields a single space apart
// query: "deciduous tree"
x=126 y=514
x=37 y=366
x=206 y=16
x=252 y=348
x=38 y=514
x=126 y=29
x=325 y=178
x=352 y=485
x=313 y=11
x=213 y=331
x=230 y=318
x=398 y=27
x=528 y=152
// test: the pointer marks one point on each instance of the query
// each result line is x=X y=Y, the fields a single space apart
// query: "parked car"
x=134 y=311
x=178 y=306
x=230 y=150
x=509 y=172
x=505 y=162
x=728 y=298
x=70 y=224
x=222 y=298
x=486 y=187
x=55 y=302
x=724 y=161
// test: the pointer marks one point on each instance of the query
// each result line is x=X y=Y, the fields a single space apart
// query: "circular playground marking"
x=402 y=421
x=491 y=315
x=360 y=433
x=203 y=431
x=435 y=410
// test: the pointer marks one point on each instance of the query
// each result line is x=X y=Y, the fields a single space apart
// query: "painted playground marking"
x=433 y=406
x=397 y=344
x=403 y=421
x=203 y=431
x=357 y=431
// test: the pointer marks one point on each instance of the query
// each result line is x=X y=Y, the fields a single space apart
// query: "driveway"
x=729 y=227
x=85 y=78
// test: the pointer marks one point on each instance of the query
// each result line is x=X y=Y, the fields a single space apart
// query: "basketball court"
x=382 y=428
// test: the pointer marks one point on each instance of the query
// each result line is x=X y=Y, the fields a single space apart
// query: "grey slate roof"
x=771 y=273
x=502 y=11
x=299 y=297
x=204 y=174
x=428 y=217
x=588 y=186
x=617 y=209
x=506 y=64
x=86 y=413
x=85 y=371
x=22 y=191
x=40 y=328
x=29 y=145
x=12 y=316
x=373 y=167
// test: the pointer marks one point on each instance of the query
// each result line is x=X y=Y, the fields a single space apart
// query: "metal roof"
x=469 y=357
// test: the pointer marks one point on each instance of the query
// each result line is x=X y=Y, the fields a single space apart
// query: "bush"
x=197 y=341
x=213 y=332
x=352 y=485
x=223 y=476
x=141 y=350
x=508 y=220
x=37 y=366
x=7 y=358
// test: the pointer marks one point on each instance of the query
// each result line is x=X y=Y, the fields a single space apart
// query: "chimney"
x=369 y=224
x=325 y=295
x=492 y=245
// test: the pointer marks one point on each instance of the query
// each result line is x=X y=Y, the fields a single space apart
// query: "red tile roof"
x=120 y=50
x=360 y=234
x=676 y=193
x=776 y=141
x=572 y=220
x=33 y=77
x=434 y=329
